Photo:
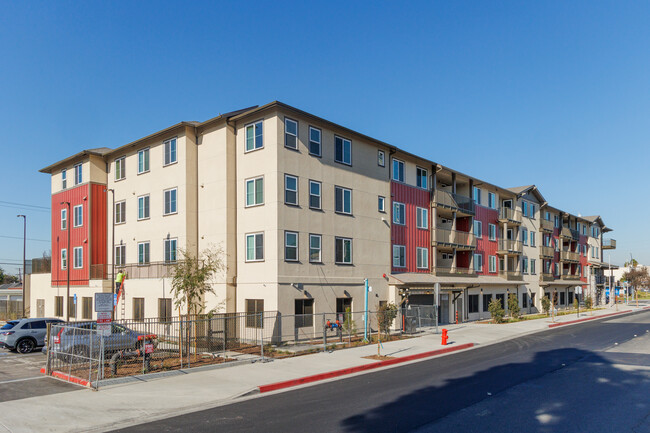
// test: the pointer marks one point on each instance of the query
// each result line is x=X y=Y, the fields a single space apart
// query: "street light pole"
x=24 y=244
x=67 y=259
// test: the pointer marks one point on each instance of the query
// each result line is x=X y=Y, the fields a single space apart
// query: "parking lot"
x=20 y=377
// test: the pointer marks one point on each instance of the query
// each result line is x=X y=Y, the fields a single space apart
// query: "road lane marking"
x=23 y=379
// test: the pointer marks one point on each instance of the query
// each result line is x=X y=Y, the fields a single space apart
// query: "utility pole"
x=365 y=313
x=112 y=191
x=67 y=260
x=24 y=244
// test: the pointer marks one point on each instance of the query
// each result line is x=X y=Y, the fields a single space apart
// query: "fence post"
x=90 y=358
x=49 y=338
x=324 y=334
x=262 y=335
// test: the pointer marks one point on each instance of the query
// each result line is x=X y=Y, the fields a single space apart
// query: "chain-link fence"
x=10 y=309
x=75 y=353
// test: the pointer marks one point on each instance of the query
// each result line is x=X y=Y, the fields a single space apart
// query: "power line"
x=29 y=239
x=25 y=205
x=24 y=208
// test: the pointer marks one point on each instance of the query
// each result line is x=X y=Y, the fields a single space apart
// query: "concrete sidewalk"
x=138 y=402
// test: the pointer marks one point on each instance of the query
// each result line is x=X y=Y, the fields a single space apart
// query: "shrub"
x=386 y=314
x=513 y=306
x=348 y=324
x=576 y=303
x=496 y=311
x=588 y=303
x=546 y=304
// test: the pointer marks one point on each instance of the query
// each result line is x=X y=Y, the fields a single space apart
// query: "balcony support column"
x=454 y=261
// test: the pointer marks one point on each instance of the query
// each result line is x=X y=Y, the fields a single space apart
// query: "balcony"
x=609 y=244
x=546 y=226
x=569 y=256
x=571 y=234
x=454 y=239
x=546 y=252
x=570 y=276
x=546 y=277
x=134 y=270
x=600 y=280
x=510 y=216
x=509 y=246
x=455 y=202
x=447 y=271
x=511 y=275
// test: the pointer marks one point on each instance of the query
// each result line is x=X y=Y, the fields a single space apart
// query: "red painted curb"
x=555 y=325
x=66 y=377
x=364 y=367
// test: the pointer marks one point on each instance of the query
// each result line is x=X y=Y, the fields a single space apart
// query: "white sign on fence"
x=104 y=323
x=103 y=302
x=578 y=290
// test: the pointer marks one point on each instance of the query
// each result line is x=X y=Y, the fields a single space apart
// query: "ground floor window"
x=502 y=298
x=138 y=309
x=87 y=307
x=570 y=298
x=343 y=305
x=304 y=310
x=473 y=303
x=562 y=298
x=486 y=302
x=254 y=310
x=165 y=309
x=524 y=300
x=72 y=307
x=58 y=306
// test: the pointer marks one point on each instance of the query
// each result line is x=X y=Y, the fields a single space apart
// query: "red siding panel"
x=98 y=225
x=409 y=235
x=484 y=245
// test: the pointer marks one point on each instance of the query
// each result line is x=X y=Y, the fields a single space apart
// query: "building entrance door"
x=444 y=308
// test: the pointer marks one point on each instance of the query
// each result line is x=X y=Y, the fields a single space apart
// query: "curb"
x=555 y=325
x=68 y=378
x=364 y=367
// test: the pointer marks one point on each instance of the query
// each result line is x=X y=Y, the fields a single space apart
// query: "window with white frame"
x=64 y=219
x=314 y=194
x=524 y=236
x=290 y=190
x=315 y=141
x=170 y=250
x=143 y=160
x=78 y=257
x=343 y=200
x=476 y=195
x=315 y=248
x=422 y=258
x=422 y=218
x=492 y=232
x=143 y=253
x=78 y=213
x=170 y=151
x=398 y=170
x=290 y=246
x=492 y=263
x=399 y=256
x=381 y=158
x=381 y=204
x=120 y=212
x=421 y=177
x=478 y=262
x=78 y=174
x=532 y=266
x=524 y=265
x=478 y=229
x=290 y=134
x=143 y=207
x=342 y=150
x=64 y=258
x=64 y=179
x=254 y=136
x=170 y=201
x=120 y=255
x=532 y=239
x=532 y=211
x=119 y=168
x=343 y=251
x=255 y=247
x=255 y=191
x=492 y=200
x=399 y=213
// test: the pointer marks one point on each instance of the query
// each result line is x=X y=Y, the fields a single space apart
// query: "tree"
x=8 y=279
x=633 y=263
x=386 y=314
x=496 y=311
x=546 y=304
x=637 y=277
x=192 y=278
x=513 y=306
x=588 y=302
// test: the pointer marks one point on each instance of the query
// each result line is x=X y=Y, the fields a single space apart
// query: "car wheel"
x=26 y=345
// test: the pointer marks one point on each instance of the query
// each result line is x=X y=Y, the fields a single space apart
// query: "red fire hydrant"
x=445 y=337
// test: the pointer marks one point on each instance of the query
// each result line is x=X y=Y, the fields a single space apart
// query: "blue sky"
x=553 y=93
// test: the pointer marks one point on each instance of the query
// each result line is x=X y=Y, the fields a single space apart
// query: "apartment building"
x=303 y=211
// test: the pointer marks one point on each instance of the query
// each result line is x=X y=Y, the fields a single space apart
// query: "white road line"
x=23 y=379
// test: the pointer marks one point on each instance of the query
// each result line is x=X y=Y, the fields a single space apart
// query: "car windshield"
x=10 y=324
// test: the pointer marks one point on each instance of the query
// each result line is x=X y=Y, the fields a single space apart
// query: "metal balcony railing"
x=569 y=256
x=570 y=234
x=509 y=246
x=509 y=215
x=609 y=244
x=455 y=238
x=134 y=270
x=454 y=201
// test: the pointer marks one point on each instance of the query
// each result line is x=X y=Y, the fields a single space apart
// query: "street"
x=588 y=377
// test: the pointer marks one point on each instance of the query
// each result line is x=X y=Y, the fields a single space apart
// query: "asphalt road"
x=528 y=384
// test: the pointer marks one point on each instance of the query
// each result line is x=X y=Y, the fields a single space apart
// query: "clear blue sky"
x=553 y=93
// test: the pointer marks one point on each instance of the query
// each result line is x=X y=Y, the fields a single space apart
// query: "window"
x=315 y=247
x=381 y=204
x=78 y=212
x=421 y=178
x=314 y=141
x=532 y=266
x=532 y=239
x=58 y=306
x=422 y=219
x=64 y=179
x=143 y=161
x=492 y=263
x=119 y=168
x=478 y=229
x=524 y=300
x=170 y=201
x=486 y=302
x=524 y=265
x=502 y=299
x=381 y=158
x=170 y=250
x=399 y=211
x=343 y=150
x=255 y=191
x=143 y=207
x=138 y=309
x=492 y=232
x=314 y=194
x=143 y=253
x=291 y=246
x=492 y=200
x=547 y=216
x=165 y=309
x=532 y=211
x=422 y=258
x=64 y=258
x=120 y=255
x=254 y=136
x=290 y=190
x=64 y=219
x=87 y=308
x=78 y=257
x=254 y=312
x=78 y=174
x=343 y=200
x=72 y=307
x=290 y=134
x=524 y=207
x=399 y=256
x=472 y=306
x=304 y=310
x=446 y=256
x=343 y=306
x=170 y=151
x=255 y=247
x=343 y=251
x=477 y=195
x=398 y=170
x=557 y=221
x=524 y=236
x=478 y=262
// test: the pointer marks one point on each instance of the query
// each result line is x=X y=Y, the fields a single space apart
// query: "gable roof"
x=529 y=189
